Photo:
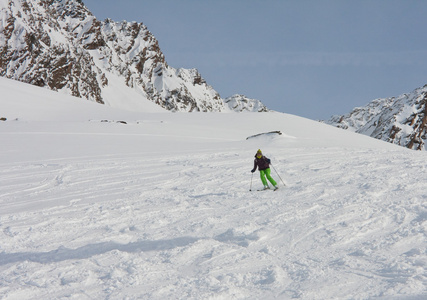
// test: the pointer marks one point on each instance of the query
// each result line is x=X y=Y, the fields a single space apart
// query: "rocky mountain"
x=242 y=103
x=60 y=45
x=399 y=120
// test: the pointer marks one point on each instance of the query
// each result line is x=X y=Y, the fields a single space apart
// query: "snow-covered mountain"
x=101 y=203
x=62 y=46
x=242 y=103
x=399 y=120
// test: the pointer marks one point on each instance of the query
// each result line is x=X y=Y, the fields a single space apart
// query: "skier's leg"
x=262 y=175
x=267 y=173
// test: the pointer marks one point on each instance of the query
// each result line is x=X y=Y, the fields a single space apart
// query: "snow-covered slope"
x=61 y=45
x=160 y=207
x=399 y=120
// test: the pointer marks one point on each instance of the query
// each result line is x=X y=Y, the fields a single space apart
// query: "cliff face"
x=399 y=120
x=46 y=43
x=62 y=46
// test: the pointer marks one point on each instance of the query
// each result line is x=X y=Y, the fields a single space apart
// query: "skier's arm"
x=255 y=166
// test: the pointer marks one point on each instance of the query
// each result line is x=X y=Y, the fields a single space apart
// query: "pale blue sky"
x=312 y=58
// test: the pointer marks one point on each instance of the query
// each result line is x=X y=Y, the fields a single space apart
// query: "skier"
x=263 y=164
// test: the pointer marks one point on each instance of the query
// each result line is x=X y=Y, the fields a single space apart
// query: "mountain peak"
x=399 y=120
x=242 y=103
x=61 y=45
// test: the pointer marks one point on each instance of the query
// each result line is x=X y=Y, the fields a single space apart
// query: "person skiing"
x=263 y=164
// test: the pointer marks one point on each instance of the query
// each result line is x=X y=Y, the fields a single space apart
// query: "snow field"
x=188 y=227
x=160 y=208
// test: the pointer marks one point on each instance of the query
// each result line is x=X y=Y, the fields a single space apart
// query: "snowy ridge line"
x=118 y=134
x=399 y=120
x=60 y=45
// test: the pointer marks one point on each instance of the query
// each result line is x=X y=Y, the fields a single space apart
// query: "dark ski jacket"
x=262 y=163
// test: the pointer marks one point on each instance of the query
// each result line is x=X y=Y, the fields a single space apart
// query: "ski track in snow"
x=350 y=224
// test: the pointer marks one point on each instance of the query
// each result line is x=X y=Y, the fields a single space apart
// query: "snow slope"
x=160 y=207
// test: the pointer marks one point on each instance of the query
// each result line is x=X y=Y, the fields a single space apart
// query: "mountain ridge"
x=62 y=46
x=400 y=120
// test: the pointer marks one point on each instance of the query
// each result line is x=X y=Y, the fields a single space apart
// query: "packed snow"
x=101 y=203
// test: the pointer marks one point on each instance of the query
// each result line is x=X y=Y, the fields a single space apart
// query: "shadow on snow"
x=62 y=253
x=88 y=251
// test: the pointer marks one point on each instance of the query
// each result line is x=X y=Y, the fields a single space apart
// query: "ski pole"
x=278 y=174
x=250 y=189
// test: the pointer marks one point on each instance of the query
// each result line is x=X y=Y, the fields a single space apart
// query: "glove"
x=269 y=161
x=253 y=170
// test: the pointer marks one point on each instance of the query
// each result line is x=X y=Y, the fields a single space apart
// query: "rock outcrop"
x=241 y=103
x=399 y=120
x=60 y=45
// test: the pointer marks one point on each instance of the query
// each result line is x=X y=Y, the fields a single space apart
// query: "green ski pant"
x=266 y=173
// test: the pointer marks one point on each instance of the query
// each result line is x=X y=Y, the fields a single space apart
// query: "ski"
x=262 y=190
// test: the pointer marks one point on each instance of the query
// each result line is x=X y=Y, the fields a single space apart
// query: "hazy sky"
x=312 y=58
